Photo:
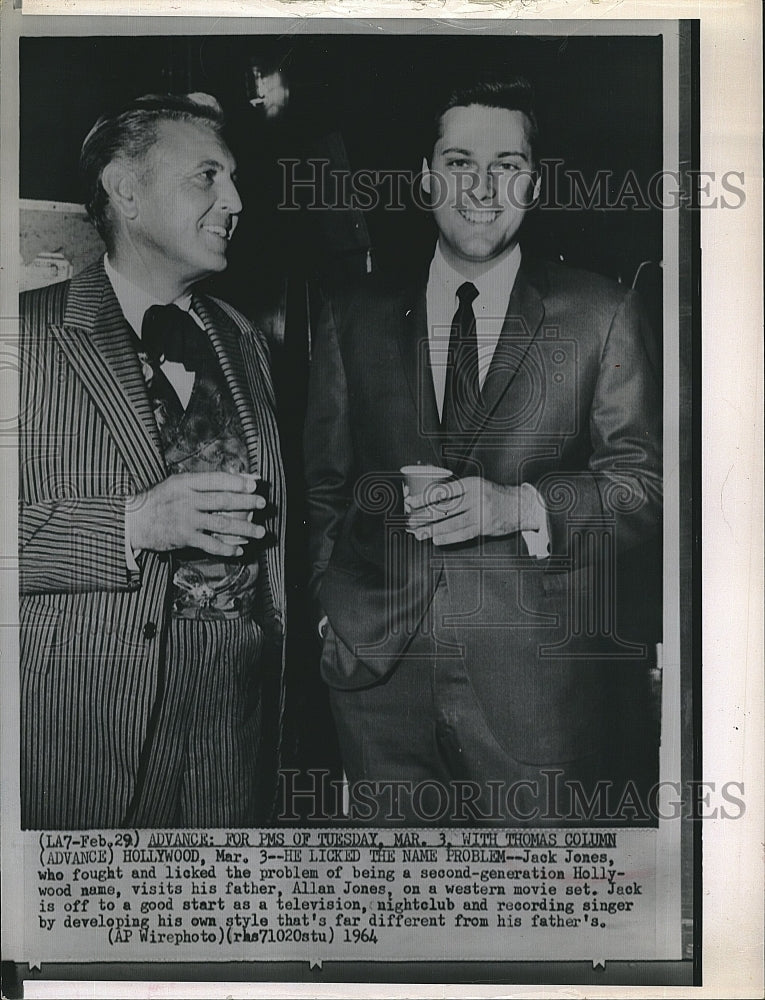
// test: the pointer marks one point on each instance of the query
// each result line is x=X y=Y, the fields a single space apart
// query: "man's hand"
x=200 y=510
x=472 y=508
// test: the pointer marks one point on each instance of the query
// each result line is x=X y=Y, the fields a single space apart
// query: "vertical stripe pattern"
x=93 y=635
x=201 y=769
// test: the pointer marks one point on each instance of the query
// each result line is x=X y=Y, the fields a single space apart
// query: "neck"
x=473 y=268
x=157 y=284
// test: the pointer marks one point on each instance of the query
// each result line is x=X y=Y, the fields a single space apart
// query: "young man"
x=473 y=645
x=151 y=582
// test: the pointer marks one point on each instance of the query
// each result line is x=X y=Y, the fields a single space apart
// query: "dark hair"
x=512 y=93
x=131 y=131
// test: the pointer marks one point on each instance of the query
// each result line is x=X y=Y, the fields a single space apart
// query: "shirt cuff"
x=130 y=555
x=537 y=539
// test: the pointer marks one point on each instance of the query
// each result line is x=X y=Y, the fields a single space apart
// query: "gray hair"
x=131 y=131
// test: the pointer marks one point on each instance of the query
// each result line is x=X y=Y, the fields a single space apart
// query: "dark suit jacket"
x=571 y=406
x=90 y=630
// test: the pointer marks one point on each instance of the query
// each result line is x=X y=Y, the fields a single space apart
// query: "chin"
x=480 y=254
x=216 y=264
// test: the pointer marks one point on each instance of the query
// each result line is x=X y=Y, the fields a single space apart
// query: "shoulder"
x=579 y=285
x=252 y=340
x=40 y=307
x=370 y=297
x=244 y=325
x=75 y=300
x=582 y=301
x=239 y=318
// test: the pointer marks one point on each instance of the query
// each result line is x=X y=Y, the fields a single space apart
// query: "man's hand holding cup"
x=210 y=511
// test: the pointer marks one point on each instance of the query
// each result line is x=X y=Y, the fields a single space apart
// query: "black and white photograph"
x=358 y=452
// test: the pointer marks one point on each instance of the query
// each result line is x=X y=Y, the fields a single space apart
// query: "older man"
x=476 y=649
x=151 y=524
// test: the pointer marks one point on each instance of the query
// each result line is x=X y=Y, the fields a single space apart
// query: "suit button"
x=149 y=630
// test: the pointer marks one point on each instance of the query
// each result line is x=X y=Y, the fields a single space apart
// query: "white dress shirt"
x=490 y=307
x=134 y=302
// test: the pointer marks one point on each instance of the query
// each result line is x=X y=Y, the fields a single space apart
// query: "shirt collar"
x=134 y=301
x=498 y=280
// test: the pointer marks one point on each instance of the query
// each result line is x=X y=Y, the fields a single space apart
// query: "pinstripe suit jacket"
x=91 y=629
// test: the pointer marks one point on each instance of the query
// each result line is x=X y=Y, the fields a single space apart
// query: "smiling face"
x=185 y=208
x=481 y=183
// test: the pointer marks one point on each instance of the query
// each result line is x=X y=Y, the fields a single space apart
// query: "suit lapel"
x=224 y=335
x=244 y=361
x=415 y=357
x=525 y=312
x=100 y=346
x=523 y=319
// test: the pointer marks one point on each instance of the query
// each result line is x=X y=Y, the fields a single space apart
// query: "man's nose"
x=485 y=184
x=229 y=197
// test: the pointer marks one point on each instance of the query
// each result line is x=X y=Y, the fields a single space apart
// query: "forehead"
x=482 y=129
x=183 y=145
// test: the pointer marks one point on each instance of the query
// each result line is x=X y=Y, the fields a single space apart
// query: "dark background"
x=599 y=98
x=365 y=102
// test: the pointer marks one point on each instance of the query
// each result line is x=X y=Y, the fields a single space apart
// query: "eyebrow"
x=217 y=164
x=497 y=156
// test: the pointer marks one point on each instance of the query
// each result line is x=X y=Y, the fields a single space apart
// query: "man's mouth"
x=480 y=216
x=224 y=232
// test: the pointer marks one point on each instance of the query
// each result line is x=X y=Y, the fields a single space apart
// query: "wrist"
x=520 y=509
x=531 y=511
x=133 y=507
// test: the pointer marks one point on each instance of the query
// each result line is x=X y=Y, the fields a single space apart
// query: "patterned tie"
x=170 y=334
x=462 y=393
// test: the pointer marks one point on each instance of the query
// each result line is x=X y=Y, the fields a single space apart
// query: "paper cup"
x=419 y=476
x=426 y=480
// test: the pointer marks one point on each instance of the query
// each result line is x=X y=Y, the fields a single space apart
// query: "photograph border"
x=689 y=564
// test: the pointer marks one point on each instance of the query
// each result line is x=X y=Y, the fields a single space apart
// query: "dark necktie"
x=170 y=334
x=462 y=392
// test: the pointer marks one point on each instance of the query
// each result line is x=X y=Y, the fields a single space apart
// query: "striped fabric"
x=208 y=711
x=93 y=635
x=253 y=395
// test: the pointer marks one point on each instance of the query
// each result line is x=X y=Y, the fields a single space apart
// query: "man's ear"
x=425 y=175
x=120 y=183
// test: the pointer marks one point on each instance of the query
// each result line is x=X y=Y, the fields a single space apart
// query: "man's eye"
x=458 y=164
x=208 y=176
x=507 y=167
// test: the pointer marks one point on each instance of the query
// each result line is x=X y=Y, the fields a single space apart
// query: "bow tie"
x=170 y=334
